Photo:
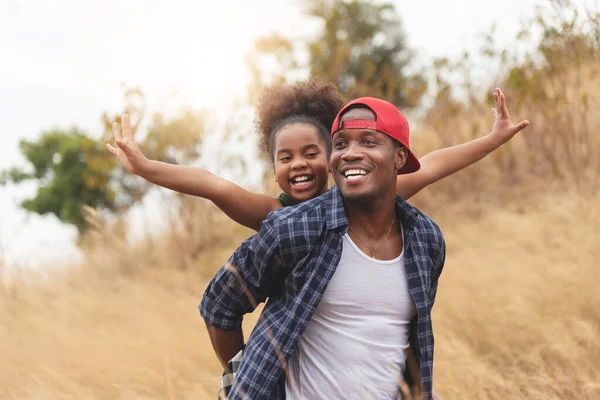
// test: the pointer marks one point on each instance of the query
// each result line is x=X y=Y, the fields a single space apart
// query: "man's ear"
x=400 y=157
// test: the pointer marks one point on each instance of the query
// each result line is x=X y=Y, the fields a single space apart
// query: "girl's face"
x=301 y=162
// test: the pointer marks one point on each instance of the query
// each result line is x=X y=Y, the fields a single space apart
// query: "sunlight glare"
x=194 y=48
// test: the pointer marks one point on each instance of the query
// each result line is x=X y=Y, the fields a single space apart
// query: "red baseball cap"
x=388 y=120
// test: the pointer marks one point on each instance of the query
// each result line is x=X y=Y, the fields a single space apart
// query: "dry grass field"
x=516 y=316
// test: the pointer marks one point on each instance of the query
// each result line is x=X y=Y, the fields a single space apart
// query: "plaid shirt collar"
x=336 y=213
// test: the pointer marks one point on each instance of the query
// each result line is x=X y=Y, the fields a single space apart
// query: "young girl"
x=294 y=122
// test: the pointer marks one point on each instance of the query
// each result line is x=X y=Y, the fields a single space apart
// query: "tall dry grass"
x=124 y=324
x=517 y=313
x=516 y=316
x=560 y=147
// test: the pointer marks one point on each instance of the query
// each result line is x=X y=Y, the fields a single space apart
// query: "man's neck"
x=372 y=218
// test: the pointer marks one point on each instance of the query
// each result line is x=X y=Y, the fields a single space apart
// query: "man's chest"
x=364 y=290
x=331 y=275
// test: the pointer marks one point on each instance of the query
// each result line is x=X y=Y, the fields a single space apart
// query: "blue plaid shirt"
x=290 y=261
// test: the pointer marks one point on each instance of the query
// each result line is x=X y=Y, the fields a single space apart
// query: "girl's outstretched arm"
x=244 y=207
x=445 y=162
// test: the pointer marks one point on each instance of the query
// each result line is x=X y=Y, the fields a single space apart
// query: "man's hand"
x=127 y=150
x=503 y=129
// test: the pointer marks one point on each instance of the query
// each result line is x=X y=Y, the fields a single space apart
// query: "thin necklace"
x=382 y=243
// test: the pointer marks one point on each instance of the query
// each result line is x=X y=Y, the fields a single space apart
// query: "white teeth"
x=356 y=172
x=305 y=183
x=303 y=180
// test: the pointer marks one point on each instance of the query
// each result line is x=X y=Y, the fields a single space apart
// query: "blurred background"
x=101 y=273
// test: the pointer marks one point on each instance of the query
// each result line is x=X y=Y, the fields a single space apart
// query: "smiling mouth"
x=355 y=174
x=302 y=181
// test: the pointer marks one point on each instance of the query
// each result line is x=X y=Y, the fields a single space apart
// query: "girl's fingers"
x=123 y=146
x=497 y=98
x=522 y=125
x=126 y=126
x=116 y=131
x=519 y=127
x=503 y=109
x=112 y=149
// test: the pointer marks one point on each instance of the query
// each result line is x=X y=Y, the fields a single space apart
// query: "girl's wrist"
x=493 y=141
x=147 y=168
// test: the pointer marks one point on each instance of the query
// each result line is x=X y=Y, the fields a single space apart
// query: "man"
x=350 y=277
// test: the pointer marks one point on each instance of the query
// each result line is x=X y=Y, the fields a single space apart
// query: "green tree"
x=72 y=169
x=360 y=46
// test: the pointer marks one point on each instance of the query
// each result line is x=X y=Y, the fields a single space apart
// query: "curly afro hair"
x=311 y=102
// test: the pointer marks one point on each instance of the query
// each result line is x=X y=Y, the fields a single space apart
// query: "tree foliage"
x=73 y=169
x=360 y=46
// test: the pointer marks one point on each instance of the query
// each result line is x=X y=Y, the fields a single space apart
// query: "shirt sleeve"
x=246 y=280
x=439 y=266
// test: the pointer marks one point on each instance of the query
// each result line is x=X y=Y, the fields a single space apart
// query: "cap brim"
x=412 y=165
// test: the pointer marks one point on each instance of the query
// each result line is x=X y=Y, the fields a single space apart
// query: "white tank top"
x=354 y=345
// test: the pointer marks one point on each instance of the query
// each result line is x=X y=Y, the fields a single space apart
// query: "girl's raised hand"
x=127 y=150
x=503 y=129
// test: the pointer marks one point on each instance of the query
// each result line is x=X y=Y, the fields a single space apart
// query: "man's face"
x=365 y=163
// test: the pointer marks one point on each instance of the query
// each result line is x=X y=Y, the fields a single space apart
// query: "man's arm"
x=445 y=162
x=226 y=344
x=246 y=280
x=412 y=367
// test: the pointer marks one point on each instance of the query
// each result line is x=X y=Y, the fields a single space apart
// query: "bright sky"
x=63 y=63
